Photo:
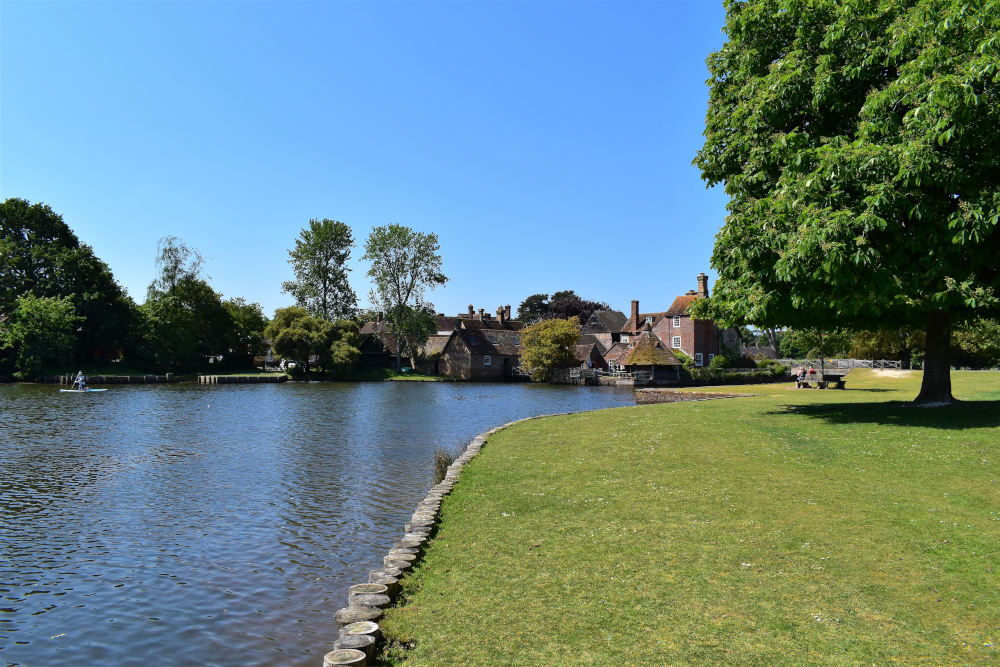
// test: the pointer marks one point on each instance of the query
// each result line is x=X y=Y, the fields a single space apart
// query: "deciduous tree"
x=405 y=265
x=40 y=330
x=548 y=345
x=319 y=260
x=859 y=143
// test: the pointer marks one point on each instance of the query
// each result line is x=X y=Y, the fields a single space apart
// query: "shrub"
x=719 y=361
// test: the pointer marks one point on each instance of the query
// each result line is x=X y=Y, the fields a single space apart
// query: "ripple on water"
x=216 y=525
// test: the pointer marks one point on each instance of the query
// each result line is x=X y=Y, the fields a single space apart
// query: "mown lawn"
x=796 y=527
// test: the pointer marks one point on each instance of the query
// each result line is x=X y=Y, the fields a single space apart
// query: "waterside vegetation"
x=793 y=527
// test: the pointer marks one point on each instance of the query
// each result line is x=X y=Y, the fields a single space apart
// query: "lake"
x=219 y=525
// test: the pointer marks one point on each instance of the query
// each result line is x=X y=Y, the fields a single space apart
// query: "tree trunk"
x=772 y=339
x=399 y=353
x=935 y=390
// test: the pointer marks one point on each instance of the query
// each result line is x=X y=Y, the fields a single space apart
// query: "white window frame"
x=675 y=342
x=677 y=320
x=487 y=360
x=649 y=320
x=624 y=338
x=698 y=359
x=710 y=357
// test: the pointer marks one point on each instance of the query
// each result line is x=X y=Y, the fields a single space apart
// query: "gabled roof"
x=647 y=350
x=584 y=351
x=602 y=321
x=435 y=345
x=617 y=351
x=494 y=324
x=681 y=303
x=627 y=327
x=591 y=338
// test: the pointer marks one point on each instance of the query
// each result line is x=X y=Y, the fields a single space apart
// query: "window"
x=516 y=339
x=624 y=338
x=710 y=357
x=472 y=340
x=677 y=320
x=493 y=339
x=649 y=320
x=697 y=359
x=676 y=342
x=488 y=361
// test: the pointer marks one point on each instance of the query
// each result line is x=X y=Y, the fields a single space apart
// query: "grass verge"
x=795 y=527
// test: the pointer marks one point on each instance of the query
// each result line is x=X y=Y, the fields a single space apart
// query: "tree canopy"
x=859 y=143
x=40 y=330
x=297 y=335
x=548 y=345
x=563 y=305
x=319 y=260
x=40 y=254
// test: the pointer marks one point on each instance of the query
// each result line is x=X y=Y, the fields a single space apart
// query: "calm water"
x=217 y=525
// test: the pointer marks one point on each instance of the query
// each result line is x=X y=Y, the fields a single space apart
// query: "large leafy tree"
x=40 y=330
x=405 y=265
x=859 y=142
x=319 y=260
x=297 y=335
x=548 y=345
x=40 y=254
x=247 y=333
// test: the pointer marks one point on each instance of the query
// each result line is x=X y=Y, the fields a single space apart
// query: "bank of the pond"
x=793 y=527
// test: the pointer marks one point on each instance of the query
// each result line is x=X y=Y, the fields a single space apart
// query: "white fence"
x=844 y=363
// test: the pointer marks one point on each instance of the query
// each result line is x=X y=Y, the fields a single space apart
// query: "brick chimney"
x=635 y=316
x=501 y=315
x=506 y=311
x=702 y=285
x=481 y=311
x=472 y=312
x=379 y=316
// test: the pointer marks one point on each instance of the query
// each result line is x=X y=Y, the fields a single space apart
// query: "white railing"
x=881 y=364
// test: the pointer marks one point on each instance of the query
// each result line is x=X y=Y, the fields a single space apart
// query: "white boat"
x=79 y=391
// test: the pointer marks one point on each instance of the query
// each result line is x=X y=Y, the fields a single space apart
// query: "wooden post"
x=349 y=615
x=370 y=600
x=348 y=657
x=365 y=589
x=363 y=643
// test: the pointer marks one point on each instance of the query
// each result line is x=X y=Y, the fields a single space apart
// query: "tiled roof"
x=584 y=350
x=681 y=303
x=591 y=338
x=606 y=320
x=649 y=351
x=627 y=327
x=616 y=352
x=494 y=324
x=490 y=341
x=435 y=345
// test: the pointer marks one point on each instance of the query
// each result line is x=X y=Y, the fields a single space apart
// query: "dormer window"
x=649 y=320
x=624 y=338
x=677 y=320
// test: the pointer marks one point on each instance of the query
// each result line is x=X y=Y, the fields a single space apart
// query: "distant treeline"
x=59 y=303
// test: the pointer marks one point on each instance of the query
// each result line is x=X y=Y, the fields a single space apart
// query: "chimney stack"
x=379 y=316
x=506 y=311
x=472 y=313
x=481 y=311
x=501 y=315
x=703 y=285
x=635 y=316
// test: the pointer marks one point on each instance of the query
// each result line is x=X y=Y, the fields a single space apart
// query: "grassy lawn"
x=796 y=527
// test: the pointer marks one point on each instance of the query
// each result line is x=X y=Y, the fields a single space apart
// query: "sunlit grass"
x=796 y=527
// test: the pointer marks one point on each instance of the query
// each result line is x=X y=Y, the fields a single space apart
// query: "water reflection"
x=216 y=525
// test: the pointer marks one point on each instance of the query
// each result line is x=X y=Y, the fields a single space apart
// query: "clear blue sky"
x=548 y=144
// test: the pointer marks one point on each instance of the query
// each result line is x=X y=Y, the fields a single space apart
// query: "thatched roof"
x=649 y=351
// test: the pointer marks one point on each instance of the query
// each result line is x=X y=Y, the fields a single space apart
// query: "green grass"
x=796 y=527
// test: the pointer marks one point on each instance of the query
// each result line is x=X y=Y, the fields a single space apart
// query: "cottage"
x=469 y=346
x=590 y=353
x=649 y=354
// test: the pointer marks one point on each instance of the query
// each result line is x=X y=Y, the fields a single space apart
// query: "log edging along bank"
x=367 y=602
x=241 y=379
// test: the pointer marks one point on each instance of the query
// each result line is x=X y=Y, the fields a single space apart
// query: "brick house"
x=675 y=328
x=590 y=353
x=648 y=353
x=605 y=325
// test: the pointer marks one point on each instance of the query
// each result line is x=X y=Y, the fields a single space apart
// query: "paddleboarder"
x=80 y=382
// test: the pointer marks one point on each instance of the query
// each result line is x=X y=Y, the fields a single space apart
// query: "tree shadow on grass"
x=963 y=415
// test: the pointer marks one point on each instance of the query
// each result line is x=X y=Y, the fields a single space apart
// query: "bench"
x=822 y=380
